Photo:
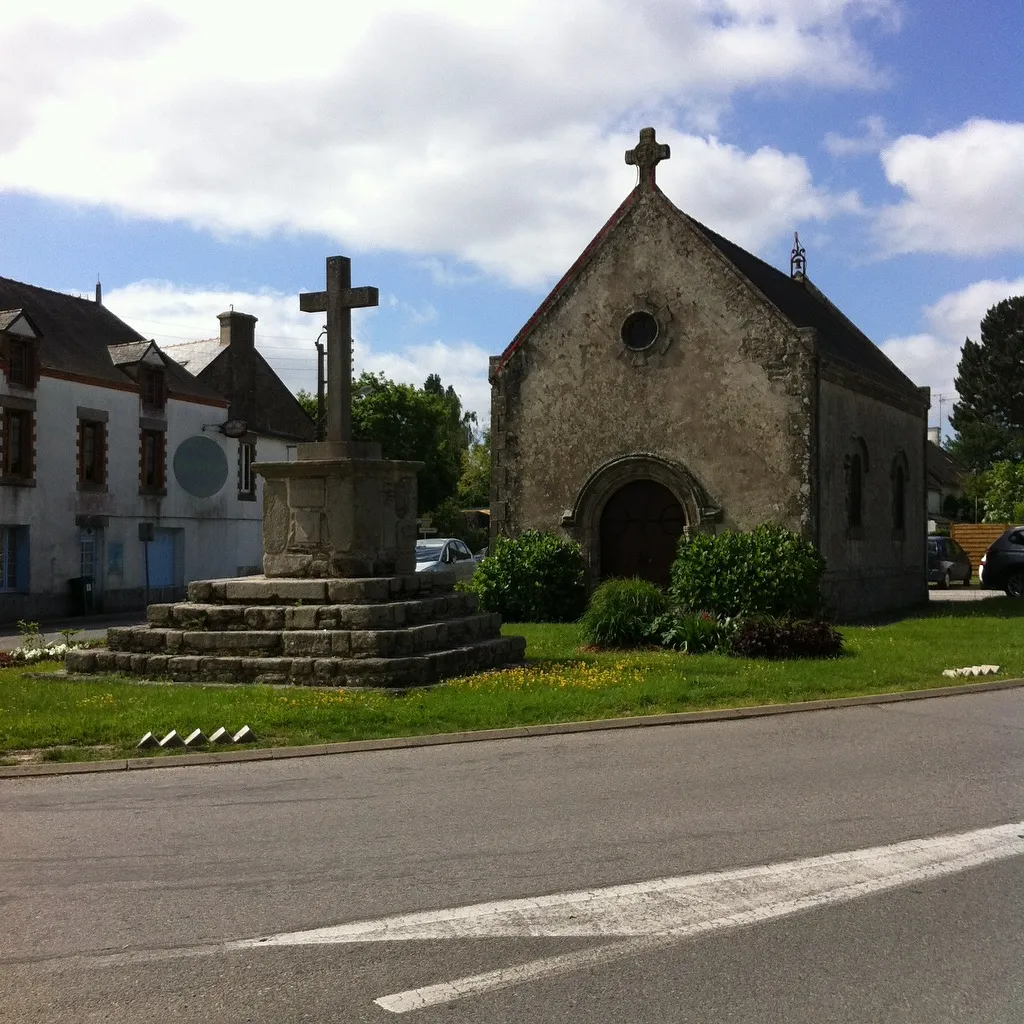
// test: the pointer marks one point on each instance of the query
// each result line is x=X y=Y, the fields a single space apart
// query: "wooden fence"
x=975 y=538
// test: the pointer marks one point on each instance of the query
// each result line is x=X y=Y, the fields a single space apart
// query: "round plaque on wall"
x=200 y=466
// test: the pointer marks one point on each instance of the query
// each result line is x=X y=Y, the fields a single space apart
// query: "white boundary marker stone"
x=220 y=735
x=196 y=739
x=172 y=739
x=971 y=670
x=244 y=735
x=147 y=742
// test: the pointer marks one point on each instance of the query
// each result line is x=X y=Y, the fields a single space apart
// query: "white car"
x=444 y=554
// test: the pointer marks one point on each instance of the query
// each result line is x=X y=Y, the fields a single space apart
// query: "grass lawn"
x=105 y=717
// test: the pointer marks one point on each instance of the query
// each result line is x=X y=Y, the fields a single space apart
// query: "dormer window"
x=19 y=349
x=152 y=387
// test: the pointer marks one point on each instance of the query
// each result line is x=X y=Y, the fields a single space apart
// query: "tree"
x=308 y=403
x=425 y=425
x=1004 y=502
x=417 y=424
x=989 y=416
x=475 y=481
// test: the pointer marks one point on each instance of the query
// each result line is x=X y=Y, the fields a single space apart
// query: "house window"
x=13 y=558
x=246 y=476
x=17 y=461
x=151 y=461
x=21 y=363
x=92 y=453
x=152 y=387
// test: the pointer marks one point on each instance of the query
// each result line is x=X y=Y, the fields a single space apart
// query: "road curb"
x=482 y=735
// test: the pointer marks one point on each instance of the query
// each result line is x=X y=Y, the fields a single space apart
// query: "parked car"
x=444 y=554
x=1002 y=566
x=947 y=561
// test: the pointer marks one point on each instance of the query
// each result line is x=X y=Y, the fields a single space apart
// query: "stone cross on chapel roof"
x=338 y=302
x=646 y=155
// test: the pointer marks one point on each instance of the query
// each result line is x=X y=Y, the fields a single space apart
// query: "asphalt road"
x=118 y=891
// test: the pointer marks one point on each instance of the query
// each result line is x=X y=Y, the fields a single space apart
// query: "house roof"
x=7 y=317
x=76 y=335
x=195 y=356
x=255 y=392
x=941 y=468
x=798 y=300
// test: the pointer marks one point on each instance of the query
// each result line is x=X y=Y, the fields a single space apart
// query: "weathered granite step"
x=417 y=670
x=339 y=643
x=392 y=615
x=285 y=591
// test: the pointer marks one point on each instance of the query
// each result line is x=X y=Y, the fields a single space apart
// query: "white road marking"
x=647 y=915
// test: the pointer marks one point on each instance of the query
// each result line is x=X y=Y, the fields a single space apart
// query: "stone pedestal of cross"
x=646 y=155
x=339 y=510
x=337 y=302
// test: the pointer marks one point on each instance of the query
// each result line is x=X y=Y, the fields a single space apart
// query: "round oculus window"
x=639 y=330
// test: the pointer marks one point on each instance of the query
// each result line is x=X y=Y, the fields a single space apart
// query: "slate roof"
x=75 y=334
x=195 y=356
x=799 y=301
x=941 y=468
x=256 y=393
x=805 y=306
x=8 y=316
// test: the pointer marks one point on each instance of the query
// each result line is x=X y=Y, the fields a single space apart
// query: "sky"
x=194 y=156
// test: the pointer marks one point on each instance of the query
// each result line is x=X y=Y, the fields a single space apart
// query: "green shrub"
x=765 y=637
x=535 y=577
x=769 y=571
x=620 y=613
x=692 y=632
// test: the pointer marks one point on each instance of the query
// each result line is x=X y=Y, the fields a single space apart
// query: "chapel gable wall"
x=727 y=391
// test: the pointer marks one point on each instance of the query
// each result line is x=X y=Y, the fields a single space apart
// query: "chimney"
x=935 y=435
x=99 y=293
x=237 y=329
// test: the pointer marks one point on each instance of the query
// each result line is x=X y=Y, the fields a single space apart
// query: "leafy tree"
x=425 y=425
x=1004 y=502
x=989 y=416
x=308 y=403
x=419 y=424
x=475 y=481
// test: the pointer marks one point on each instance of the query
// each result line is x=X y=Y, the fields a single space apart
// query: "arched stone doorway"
x=612 y=481
x=640 y=528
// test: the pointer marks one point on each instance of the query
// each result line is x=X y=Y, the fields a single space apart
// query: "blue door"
x=163 y=558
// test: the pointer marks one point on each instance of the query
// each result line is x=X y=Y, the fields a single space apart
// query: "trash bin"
x=81 y=595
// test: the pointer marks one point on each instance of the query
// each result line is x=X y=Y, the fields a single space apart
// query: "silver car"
x=444 y=554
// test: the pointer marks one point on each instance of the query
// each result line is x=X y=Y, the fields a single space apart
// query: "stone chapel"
x=674 y=382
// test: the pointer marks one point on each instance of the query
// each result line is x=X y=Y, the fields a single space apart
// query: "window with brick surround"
x=92 y=453
x=17 y=445
x=152 y=479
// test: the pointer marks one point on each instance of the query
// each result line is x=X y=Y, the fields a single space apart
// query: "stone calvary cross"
x=338 y=302
x=646 y=155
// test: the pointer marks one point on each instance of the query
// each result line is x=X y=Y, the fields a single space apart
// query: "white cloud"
x=872 y=141
x=284 y=336
x=931 y=358
x=459 y=129
x=963 y=190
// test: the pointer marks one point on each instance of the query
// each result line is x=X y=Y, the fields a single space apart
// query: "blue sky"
x=463 y=153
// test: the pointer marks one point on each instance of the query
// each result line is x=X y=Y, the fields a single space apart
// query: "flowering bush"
x=28 y=655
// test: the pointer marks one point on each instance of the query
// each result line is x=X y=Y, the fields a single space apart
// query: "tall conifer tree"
x=989 y=416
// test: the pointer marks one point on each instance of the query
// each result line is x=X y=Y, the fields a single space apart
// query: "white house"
x=104 y=442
